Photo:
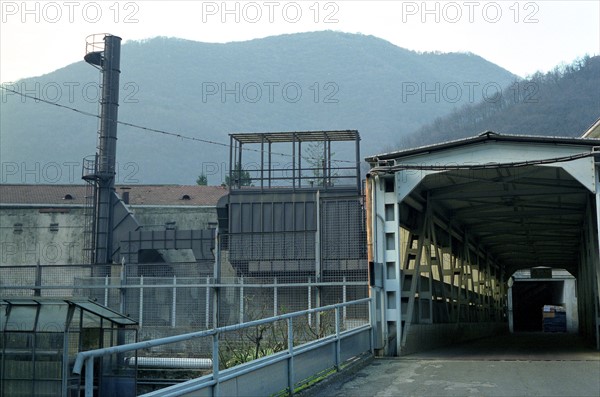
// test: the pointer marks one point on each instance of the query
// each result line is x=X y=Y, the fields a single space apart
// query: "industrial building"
x=45 y=223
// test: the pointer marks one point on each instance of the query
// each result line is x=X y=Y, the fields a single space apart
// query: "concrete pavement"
x=531 y=364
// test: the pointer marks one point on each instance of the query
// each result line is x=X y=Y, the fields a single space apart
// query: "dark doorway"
x=529 y=298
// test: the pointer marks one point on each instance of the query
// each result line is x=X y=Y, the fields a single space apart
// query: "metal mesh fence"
x=188 y=299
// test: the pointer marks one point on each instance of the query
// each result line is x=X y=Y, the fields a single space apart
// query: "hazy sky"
x=37 y=37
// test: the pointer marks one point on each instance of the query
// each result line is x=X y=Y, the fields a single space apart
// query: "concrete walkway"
x=532 y=364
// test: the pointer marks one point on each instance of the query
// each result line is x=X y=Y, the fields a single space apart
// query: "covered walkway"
x=450 y=224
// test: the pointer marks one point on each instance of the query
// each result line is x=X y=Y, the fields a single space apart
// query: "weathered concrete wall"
x=185 y=218
x=34 y=241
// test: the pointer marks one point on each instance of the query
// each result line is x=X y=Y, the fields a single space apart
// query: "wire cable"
x=514 y=164
x=159 y=131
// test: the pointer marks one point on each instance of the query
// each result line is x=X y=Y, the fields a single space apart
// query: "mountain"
x=306 y=81
x=563 y=102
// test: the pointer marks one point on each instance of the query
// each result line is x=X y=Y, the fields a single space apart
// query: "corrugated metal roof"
x=485 y=136
x=83 y=303
x=157 y=195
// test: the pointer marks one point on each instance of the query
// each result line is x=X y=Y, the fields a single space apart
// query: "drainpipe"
x=369 y=211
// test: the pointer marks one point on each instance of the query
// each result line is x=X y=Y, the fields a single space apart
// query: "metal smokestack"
x=104 y=52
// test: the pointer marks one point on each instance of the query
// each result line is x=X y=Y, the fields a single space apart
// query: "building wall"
x=185 y=218
x=35 y=241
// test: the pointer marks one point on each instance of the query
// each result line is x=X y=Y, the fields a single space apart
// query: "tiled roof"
x=138 y=194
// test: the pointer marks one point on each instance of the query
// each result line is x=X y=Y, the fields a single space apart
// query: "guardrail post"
x=38 y=280
x=141 y=314
x=337 y=339
x=174 y=304
x=89 y=377
x=275 y=297
x=309 y=303
x=215 y=360
x=122 y=290
x=344 y=298
x=106 y=290
x=207 y=304
x=241 y=299
x=291 y=381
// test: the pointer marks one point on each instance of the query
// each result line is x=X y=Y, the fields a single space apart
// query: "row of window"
x=18 y=228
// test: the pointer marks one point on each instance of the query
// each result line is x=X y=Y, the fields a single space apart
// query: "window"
x=54 y=227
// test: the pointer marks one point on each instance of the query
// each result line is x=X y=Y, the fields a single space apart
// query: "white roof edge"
x=595 y=127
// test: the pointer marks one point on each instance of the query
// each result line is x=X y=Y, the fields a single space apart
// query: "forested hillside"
x=563 y=102
x=308 y=81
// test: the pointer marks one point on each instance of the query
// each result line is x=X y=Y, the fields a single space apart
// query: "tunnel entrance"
x=529 y=299
x=543 y=304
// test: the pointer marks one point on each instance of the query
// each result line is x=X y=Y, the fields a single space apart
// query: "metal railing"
x=348 y=343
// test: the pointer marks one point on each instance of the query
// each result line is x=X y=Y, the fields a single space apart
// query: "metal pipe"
x=293 y=161
x=357 y=162
x=597 y=286
x=369 y=211
x=170 y=362
x=262 y=161
x=231 y=161
x=215 y=362
x=89 y=377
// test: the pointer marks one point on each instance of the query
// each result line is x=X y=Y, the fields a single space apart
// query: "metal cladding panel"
x=289 y=209
x=267 y=216
x=247 y=218
x=256 y=217
x=272 y=215
x=311 y=216
x=261 y=382
x=278 y=217
x=314 y=361
x=198 y=393
x=355 y=345
x=235 y=220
